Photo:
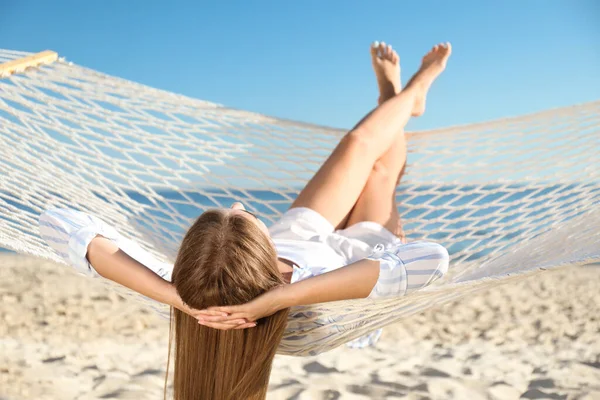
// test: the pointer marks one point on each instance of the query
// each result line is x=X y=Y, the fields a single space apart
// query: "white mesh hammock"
x=508 y=198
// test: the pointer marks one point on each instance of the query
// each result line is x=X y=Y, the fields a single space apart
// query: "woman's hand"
x=241 y=316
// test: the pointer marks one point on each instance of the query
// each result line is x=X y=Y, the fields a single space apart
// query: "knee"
x=384 y=177
x=361 y=141
x=382 y=172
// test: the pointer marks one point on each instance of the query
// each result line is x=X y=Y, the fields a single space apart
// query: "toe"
x=382 y=48
x=374 y=48
x=389 y=52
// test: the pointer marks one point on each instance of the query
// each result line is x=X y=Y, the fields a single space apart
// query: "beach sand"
x=64 y=336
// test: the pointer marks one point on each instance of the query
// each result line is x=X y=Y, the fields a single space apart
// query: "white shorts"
x=353 y=243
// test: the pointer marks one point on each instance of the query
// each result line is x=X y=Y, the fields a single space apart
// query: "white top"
x=309 y=256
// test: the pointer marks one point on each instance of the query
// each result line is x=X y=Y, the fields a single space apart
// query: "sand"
x=64 y=336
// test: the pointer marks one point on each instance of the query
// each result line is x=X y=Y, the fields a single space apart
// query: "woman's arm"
x=94 y=248
x=353 y=281
x=112 y=263
x=393 y=272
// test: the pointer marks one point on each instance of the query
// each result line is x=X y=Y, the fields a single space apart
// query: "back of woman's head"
x=224 y=259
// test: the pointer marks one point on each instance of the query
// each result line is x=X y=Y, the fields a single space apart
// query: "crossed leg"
x=377 y=201
x=337 y=186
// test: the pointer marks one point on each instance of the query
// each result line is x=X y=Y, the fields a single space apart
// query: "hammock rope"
x=508 y=198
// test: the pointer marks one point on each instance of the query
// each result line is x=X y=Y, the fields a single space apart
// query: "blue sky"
x=308 y=60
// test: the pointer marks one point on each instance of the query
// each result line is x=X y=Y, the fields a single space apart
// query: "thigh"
x=377 y=203
x=336 y=186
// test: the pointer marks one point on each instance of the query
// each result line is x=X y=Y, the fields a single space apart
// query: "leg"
x=377 y=202
x=336 y=187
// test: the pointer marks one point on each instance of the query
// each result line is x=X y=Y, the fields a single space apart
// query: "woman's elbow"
x=441 y=254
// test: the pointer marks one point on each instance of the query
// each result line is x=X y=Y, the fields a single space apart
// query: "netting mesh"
x=506 y=197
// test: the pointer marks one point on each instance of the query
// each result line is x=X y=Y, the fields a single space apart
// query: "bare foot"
x=432 y=66
x=386 y=64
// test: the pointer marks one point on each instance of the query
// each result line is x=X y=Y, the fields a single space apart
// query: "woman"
x=346 y=217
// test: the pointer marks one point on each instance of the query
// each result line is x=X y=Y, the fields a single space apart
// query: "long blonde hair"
x=224 y=259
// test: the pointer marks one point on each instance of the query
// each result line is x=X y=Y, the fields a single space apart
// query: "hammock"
x=508 y=198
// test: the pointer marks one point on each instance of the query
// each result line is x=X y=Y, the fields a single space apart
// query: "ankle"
x=414 y=89
x=387 y=94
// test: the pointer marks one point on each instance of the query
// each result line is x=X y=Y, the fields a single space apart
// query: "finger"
x=225 y=309
x=233 y=322
x=219 y=318
x=217 y=325
x=230 y=317
x=209 y=313
x=245 y=326
x=224 y=320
